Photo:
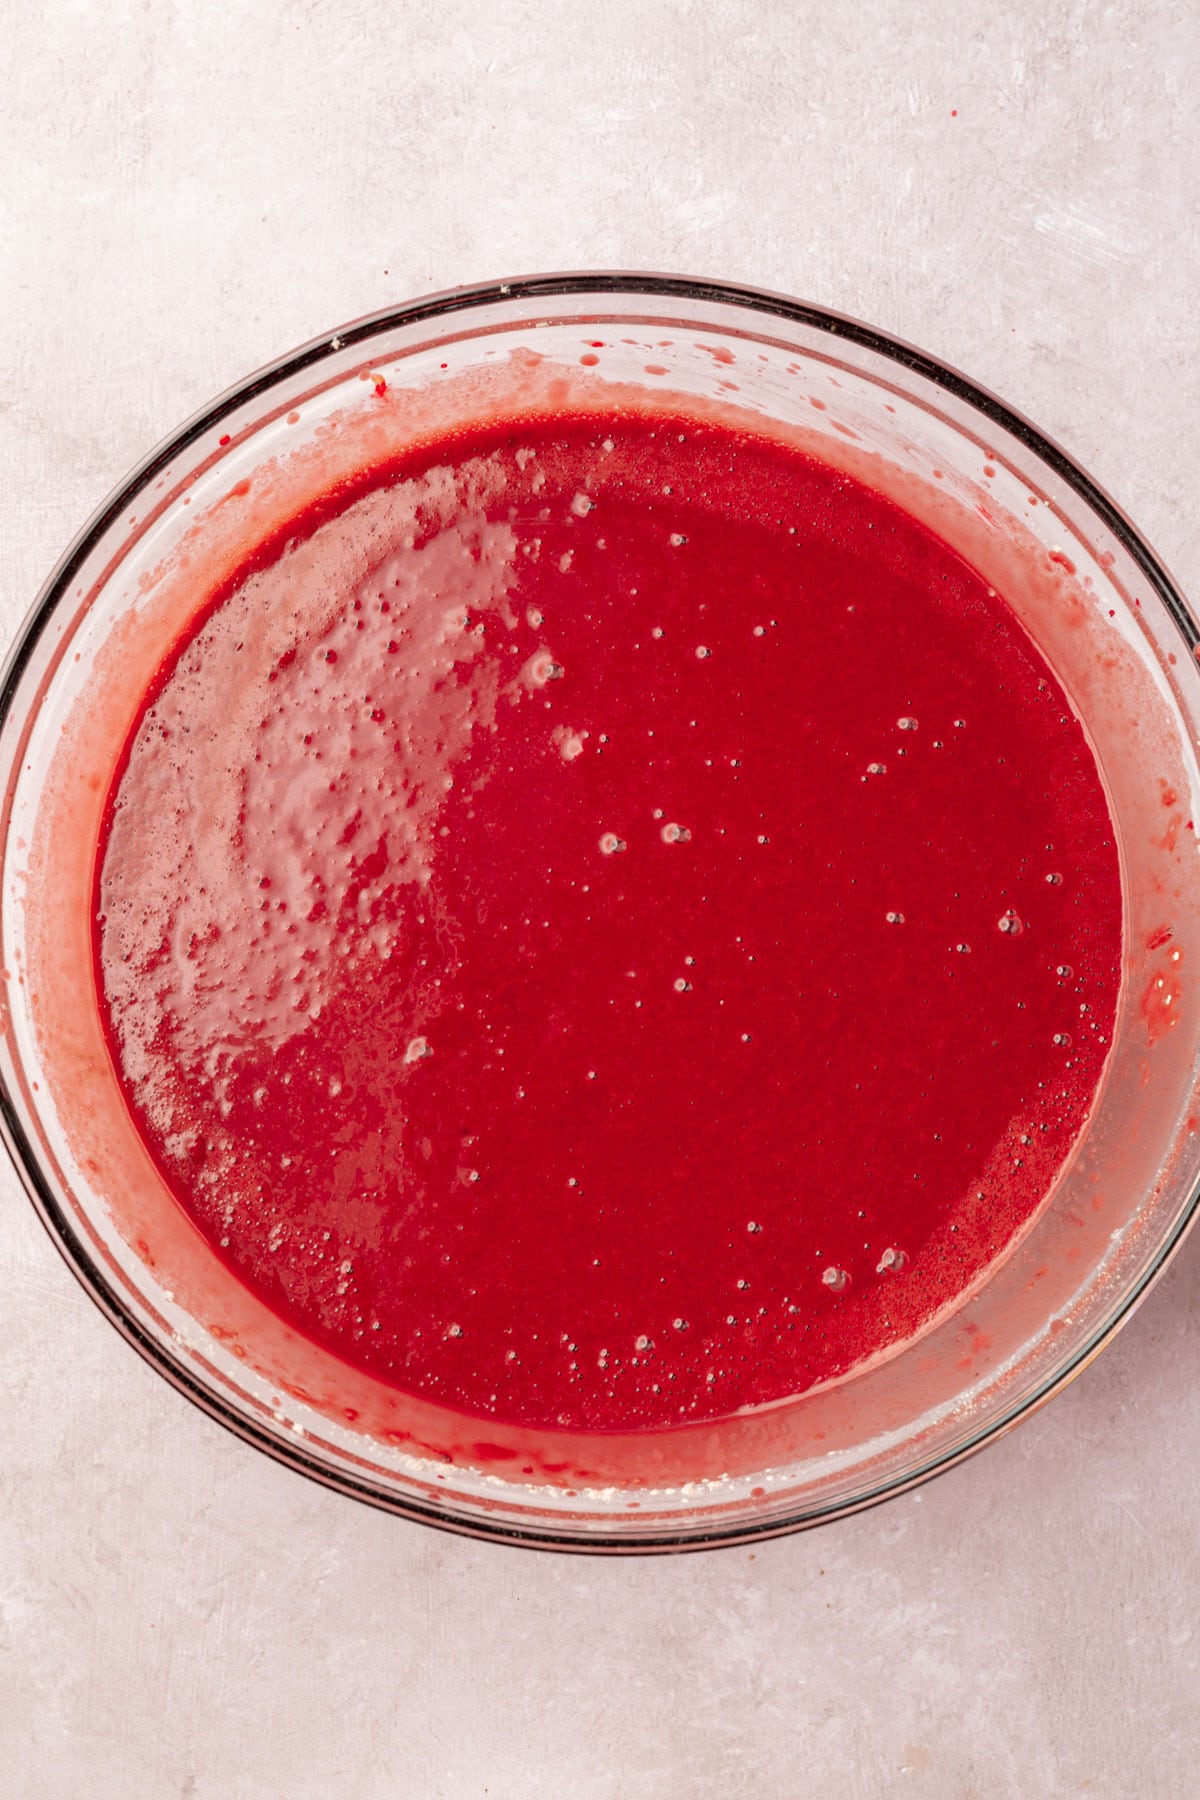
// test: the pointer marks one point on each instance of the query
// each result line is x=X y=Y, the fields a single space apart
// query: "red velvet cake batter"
x=609 y=923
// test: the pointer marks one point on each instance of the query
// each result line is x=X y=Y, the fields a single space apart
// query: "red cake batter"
x=608 y=924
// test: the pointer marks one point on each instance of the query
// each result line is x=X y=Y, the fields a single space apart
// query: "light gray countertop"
x=187 y=191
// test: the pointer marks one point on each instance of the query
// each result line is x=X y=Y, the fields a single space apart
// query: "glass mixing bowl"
x=1088 y=589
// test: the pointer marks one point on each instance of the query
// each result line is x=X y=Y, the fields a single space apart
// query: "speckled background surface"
x=188 y=191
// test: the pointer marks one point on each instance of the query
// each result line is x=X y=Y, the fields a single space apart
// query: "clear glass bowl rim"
x=582 y=284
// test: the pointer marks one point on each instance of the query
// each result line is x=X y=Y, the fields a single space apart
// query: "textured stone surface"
x=188 y=191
